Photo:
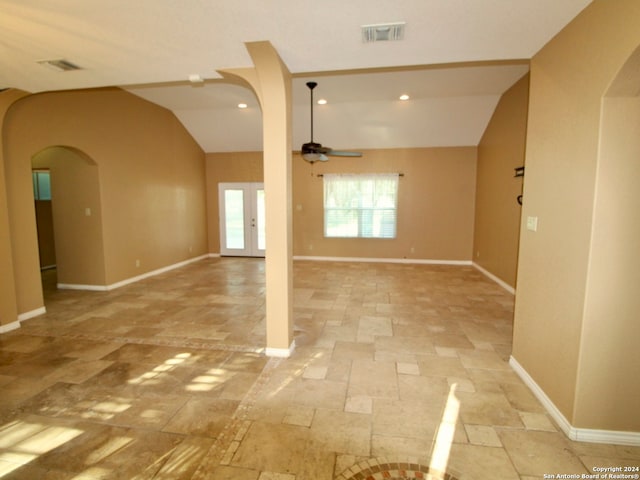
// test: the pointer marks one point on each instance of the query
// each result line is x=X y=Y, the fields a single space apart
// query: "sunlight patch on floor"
x=110 y=447
x=205 y=383
x=153 y=377
x=446 y=432
x=22 y=442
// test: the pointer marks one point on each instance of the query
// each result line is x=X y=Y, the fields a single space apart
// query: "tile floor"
x=399 y=370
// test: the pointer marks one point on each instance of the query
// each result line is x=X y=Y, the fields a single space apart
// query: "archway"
x=612 y=306
x=271 y=81
x=75 y=215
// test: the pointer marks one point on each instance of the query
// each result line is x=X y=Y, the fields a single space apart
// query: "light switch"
x=87 y=212
x=532 y=223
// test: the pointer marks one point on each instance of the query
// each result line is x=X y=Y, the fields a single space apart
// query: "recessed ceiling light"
x=242 y=105
x=404 y=97
x=322 y=101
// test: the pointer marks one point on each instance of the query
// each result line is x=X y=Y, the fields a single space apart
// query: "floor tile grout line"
x=149 y=341
x=221 y=451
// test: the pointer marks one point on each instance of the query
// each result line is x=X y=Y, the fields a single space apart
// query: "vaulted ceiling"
x=455 y=59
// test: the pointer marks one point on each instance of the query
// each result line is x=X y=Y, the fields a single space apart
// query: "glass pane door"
x=260 y=219
x=242 y=219
x=234 y=219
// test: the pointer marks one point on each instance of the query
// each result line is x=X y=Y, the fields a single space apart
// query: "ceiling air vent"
x=59 y=65
x=383 y=32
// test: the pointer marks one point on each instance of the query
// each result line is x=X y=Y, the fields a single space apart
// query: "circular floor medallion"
x=374 y=470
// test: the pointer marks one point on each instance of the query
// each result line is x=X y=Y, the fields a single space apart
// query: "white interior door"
x=242 y=219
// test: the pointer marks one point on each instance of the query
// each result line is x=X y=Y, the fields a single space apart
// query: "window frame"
x=366 y=205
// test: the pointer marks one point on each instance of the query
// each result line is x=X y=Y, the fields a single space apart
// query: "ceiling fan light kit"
x=314 y=152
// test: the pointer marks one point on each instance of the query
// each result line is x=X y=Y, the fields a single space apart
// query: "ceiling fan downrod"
x=311 y=86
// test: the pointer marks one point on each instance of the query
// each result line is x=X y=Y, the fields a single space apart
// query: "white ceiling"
x=456 y=59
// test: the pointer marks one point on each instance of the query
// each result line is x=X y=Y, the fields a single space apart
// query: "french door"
x=242 y=219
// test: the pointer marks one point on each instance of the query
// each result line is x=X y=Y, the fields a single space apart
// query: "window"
x=361 y=206
x=41 y=184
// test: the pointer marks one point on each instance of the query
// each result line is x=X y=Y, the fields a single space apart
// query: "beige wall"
x=497 y=214
x=227 y=167
x=611 y=325
x=77 y=232
x=436 y=199
x=151 y=177
x=556 y=319
x=435 y=204
x=8 y=300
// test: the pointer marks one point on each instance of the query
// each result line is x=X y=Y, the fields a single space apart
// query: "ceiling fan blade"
x=342 y=153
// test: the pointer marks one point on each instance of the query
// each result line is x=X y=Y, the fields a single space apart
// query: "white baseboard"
x=113 y=286
x=9 y=326
x=416 y=261
x=73 y=286
x=607 y=436
x=383 y=260
x=33 y=313
x=556 y=414
x=576 y=434
x=280 y=352
x=21 y=318
x=499 y=281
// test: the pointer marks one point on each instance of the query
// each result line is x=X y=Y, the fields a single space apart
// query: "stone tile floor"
x=397 y=368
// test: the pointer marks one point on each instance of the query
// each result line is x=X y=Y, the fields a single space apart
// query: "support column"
x=271 y=81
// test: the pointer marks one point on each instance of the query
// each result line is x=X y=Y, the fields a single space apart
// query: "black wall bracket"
x=519 y=172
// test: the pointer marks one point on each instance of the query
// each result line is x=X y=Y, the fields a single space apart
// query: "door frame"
x=251 y=219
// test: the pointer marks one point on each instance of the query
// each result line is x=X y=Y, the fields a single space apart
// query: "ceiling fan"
x=315 y=152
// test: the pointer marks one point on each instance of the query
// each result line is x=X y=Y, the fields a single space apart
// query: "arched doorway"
x=75 y=213
x=612 y=307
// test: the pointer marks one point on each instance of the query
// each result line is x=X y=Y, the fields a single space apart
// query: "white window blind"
x=360 y=205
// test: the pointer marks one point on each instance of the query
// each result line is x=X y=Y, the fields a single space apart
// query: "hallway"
x=398 y=370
